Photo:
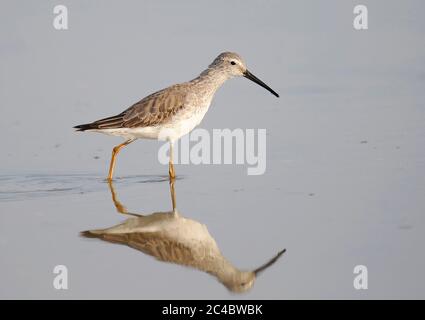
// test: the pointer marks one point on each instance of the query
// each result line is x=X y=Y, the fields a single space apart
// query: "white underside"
x=131 y=133
x=171 y=131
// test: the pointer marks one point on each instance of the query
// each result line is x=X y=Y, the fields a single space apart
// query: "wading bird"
x=174 y=111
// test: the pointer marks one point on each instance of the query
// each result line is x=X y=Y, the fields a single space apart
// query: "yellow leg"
x=172 y=175
x=171 y=171
x=115 y=151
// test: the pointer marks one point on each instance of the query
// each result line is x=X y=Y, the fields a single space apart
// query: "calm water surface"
x=344 y=181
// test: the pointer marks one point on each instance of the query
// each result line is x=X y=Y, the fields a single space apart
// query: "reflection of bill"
x=170 y=237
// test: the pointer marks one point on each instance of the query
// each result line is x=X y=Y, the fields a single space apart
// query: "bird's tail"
x=90 y=234
x=106 y=123
x=84 y=127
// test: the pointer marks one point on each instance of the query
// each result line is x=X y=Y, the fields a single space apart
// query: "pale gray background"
x=331 y=200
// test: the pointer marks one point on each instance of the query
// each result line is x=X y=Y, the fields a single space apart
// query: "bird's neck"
x=221 y=268
x=209 y=81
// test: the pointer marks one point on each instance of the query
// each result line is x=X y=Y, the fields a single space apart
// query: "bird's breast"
x=187 y=119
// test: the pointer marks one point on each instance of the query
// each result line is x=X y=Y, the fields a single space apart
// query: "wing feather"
x=155 y=109
x=152 y=110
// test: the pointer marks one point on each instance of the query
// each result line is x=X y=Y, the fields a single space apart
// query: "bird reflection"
x=170 y=237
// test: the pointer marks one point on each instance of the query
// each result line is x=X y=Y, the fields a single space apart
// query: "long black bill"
x=268 y=264
x=251 y=77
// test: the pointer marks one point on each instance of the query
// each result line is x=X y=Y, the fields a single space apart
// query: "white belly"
x=131 y=133
x=182 y=125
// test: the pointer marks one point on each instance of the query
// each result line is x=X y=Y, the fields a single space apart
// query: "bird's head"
x=242 y=281
x=234 y=66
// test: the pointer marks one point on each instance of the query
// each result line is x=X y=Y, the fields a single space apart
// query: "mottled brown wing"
x=155 y=109
x=152 y=110
x=151 y=243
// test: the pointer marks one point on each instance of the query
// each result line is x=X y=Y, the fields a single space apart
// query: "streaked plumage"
x=153 y=110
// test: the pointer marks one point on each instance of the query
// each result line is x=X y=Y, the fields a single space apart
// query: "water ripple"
x=29 y=186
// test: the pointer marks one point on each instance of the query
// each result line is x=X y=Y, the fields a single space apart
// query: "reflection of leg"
x=171 y=171
x=118 y=205
x=173 y=194
x=115 y=151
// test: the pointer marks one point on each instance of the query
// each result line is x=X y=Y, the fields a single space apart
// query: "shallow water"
x=26 y=187
x=344 y=181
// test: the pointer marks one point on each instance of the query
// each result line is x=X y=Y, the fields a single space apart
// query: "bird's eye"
x=232 y=63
